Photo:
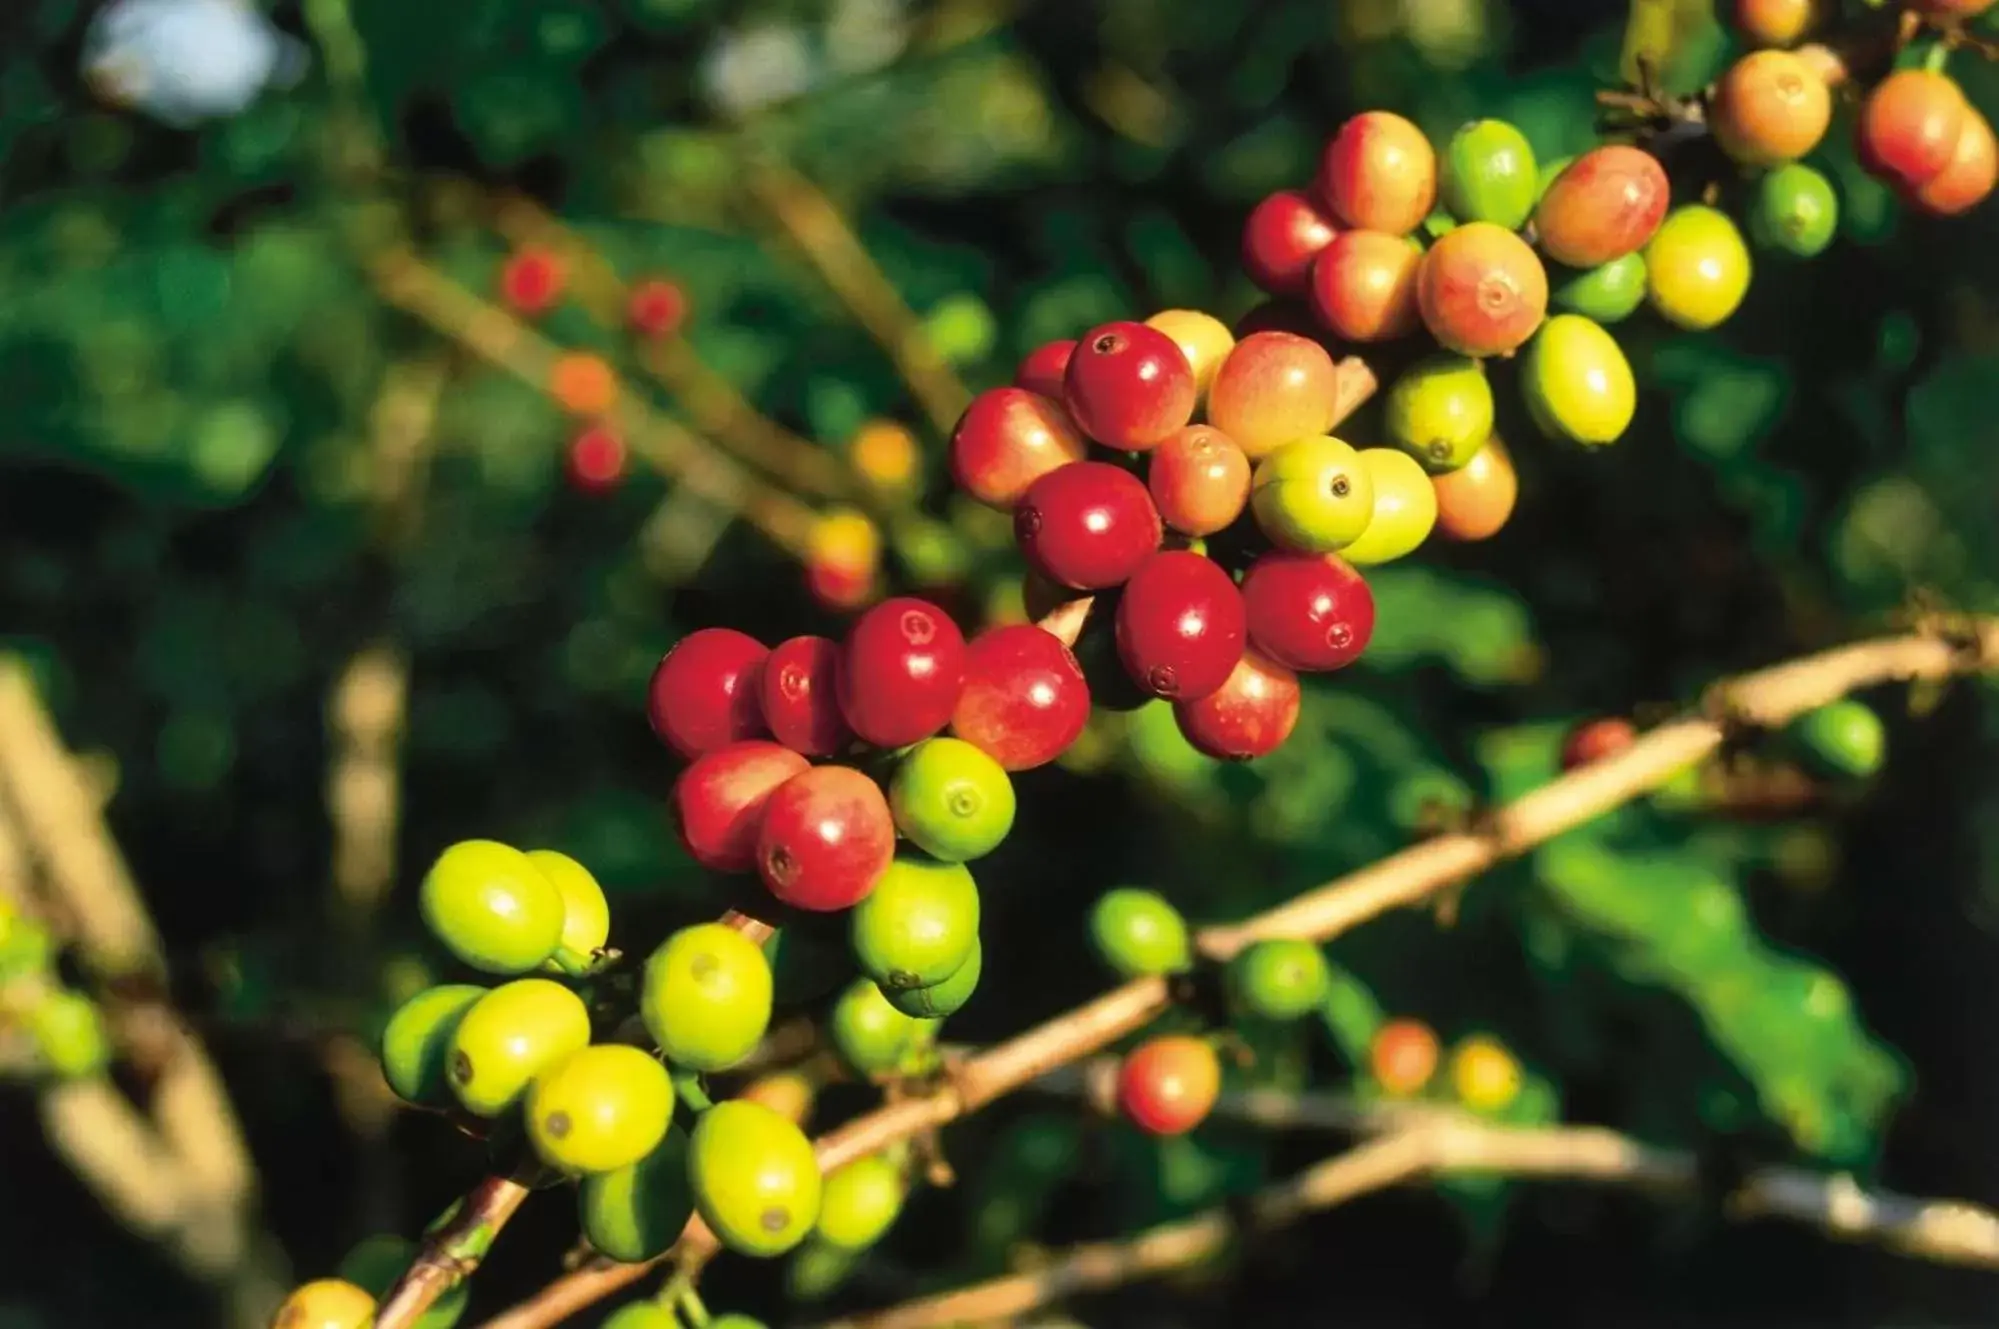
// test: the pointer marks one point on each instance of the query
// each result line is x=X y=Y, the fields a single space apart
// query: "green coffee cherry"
x=1280 y=979
x=707 y=997
x=586 y=914
x=946 y=998
x=918 y=925
x=1794 y=211
x=1312 y=494
x=1139 y=934
x=951 y=800
x=491 y=907
x=416 y=1043
x=1577 y=382
x=510 y=1036
x=1440 y=412
x=637 y=1212
x=755 y=1179
x=1843 y=739
x=860 y=1202
x=1608 y=294
x=599 y=1109
x=870 y=1034
x=1489 y=175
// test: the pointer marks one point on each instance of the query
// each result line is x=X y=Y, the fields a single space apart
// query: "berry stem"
x=453 y=1251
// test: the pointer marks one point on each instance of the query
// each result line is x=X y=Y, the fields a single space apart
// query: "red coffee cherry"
x=1025 y=700
x=532 y=281
x=1045 y=367
x=1364 y=286
x=827 y=838
x=1309 y=612
x=719 y=801
x=1283 y=235
x=704 y=691
x=1248 y=716
x=1272 y=388
x=1006 y=440
x=801 y=696
x=1180 y=626
x=1128 y=386
x=901 y=669
x=1969 y=178
x=596 y=459
x=1607 y=203
x=1168 y=1085
x=1593 y=740
x=1088 y=525
x=656 y=308
x=1199 y=480
x=1403 y=1057
x=1482 y=290
x=1909 y=126
x=1379 y=173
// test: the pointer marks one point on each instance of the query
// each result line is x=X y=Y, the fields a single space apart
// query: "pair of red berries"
x=534 y=280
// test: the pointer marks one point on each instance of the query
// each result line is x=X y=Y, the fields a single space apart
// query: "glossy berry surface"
x=1776 y=22
x=1605 y=204
x=491 y=907
x=636 y=1212
x=901 y=669
x=1610 y=292
x=951 y=800
x=719 y=801
x=1199 y=480
x=1364 y=286
x=1313 y=494
x=859 y=1203
x=755 y=1179
x=946 y=998
x=1485 y=1076
x=1769 y=108
x=656 y=308
x=1088 y=525
x=326 y=1303
x=1577 y=383
x=706 y=996
x=1310 y=612
x=1281 y=979
x=1481 y=290
x=1024 y=700
x=1203 y=339
x=1168 y=1085
x=1403 y=1057
x=1128 y=386
x=1042 y=370
x=1248 y=716
x=416 y=1042
x=1844 y=739
x=869 y=1033
x=1474 y=503
x=827 y=837
x=510 y=1036
x=704 y=692
x=1405 y=508
x=1180 y=626
x=800 y=696
x=599 y=1109
x=1698 y=268
x=1273 y=387
x=1909 y=126
x=918 y=925
x=1138 y=933
x=1378 y=173
x=586 y=914
x=1967 y=179
x=1794 y=211
x=1440 y=412
x=643 y=1315
x=1489 y=175
x=1281 y=237
x=1007 y=439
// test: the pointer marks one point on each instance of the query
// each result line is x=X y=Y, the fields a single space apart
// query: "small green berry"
x=755 y=1178
x=707 y=996
x=919 y=923
x=860 y=1201
x=510 y=1036
x=869 y=1032
x=586 y=914
x=599 y=1109
x=945 y=998
x=1139 y=934
x=491 y=907
x=416 y=1043
x=1281 y=979
x=636 y=1212
x=952 y=800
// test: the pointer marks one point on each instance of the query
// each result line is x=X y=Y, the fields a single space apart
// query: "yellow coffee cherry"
x=887 y=457
x=326 y=1303
x=1485 y=1076
x=1204 y=339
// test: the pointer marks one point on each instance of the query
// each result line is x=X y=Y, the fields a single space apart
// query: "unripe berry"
x=599 y=1109
x=1577 y=383
x=1967 y=179
x=901 y=668
x=704 y=692
x=1379 y=173
x=1473 y=503
x=1405 y=508
x=636 y=1212
x=1280 y=979
x=1310 y=612
x=1698 y=267
x=719 y=801
x=941 y=1000
x=860 y=1201
x=1844 y=739
x=1024 y=700
x=1168 y=1085
x=1087 y=526
x=869 y=1033
x=1043 y=369
x=1608 y=293
x=843 y=559
x=1180 y=626
x=706 y=996
x=1605 y=204
x=1138 y=933
x=1282 y=236
x=491 y=907
x=1248 y=716
x=1312 y=494
x=827 y=837
x=1909 y=127
x=1364 y=286
x=1440 y=412
x=1769 y=108
x=1481 y=290
x=1795 y=210
x=1202 y=338
x=1128 y=386
x=1485 y=1076
x=1272 y=388
x=1007 y=439
x=511 y=1036
x=1490 y=175
x=800 y=696
x=919 y=925
x=755 y=1178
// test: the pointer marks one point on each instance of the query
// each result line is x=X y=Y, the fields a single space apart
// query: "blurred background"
x=300 y=548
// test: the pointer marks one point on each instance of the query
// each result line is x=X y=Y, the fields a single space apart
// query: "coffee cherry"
x=947 y=998
x=1280 y=979
x=1698 y=267
x=1199 y=480
x=1777 y=22
x=1909 y=127
x=637 y=1212
x=703 y=693
x=1843 y=739
x=1484 y=1075
x=755 y=1179
x=1607 y=203
x=951 y=800
x=1128 y=386
x=843 y=556
x=1794 y=211
x=491 y=907
x=643 y=1315
x=416 y=1042
x=1364 y=286
x=1087 y=526
x=1968 y=178
x=1202 y=338
x=1481 y=290
x=887 y=458
x=596 y=459
x=377 y=1262
x=1180 y=626
x=599 y=1109
x=1577 y=383
x=510 y=1036
x=1138 y=934
x=735 y=1320
x=1596 y=740
x=719 y=801
x=1405 y=508
x=706 y=997
x=532 y=281
x=1769 y=108
x=1282 y=236
x=656 y=309
x=326 y=1303
x=800 y=696
x=1044 y=368
x=1475 y=502
x=586 y=914
x=1609 y=293
x=67 y=1031
x=583 y=384
x=901 y=669
x=1378 y=173
x=1168 y=1085
x=1312 y=495
x=869 y=1033
x=1440 y=412
x=919 y=924
x=1309 y=612
x=827 y=837
x=860 y=1202
x=1403 y=1057
x=1272 y=388
x=1024 y=700
x=1490 y=175
x=1248 y=716
x=1007 y=439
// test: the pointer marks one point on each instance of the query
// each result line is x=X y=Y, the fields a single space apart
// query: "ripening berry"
x=1128 y=386
x=1795 y=211
x=599 y=1109
x=755 y=1179
x=901 y=669
x=583 y=383
x=491 y=907
x=706 y=996
x=1087 y=526
x=885 y=454
x=1473 y=503
x=636 y=1212
x=1180 y=626
x=509 y=1037
x=416 y=1043
x=1273 y=387
x=1605 y=204
x=1769 y=108
x=1485 y=1076
x=1043 y=369
x=1168 y=1085
x=719 y=801
x=1199 y=480
x=1843 y=739
x=1577 y=383
x=1440 y=412
x=704 y=692
x=1405 y=508
x=1595 y=740
x=1248 y=716
x=1909 y=127
x=1310 y=612
x=918 y=925
x=1139 y=934
x=1202 y=338
x=596 y=459
x=1282 y=236
x=1481 y=290
x=656 y=308
x=1024 y=700
x=326 y=1303
x=800 y=698
x=1968 y=178
x=947 y=998
x=870 y=1034
x=1403 y=1057
x=1698 y=268
x=1379 y=173
x=532 y=281
x=1610 y=292
x=1312 y=494
x=826 y=839
x=1009 y=438
x=843 y=559
x=1364 y=286
x=1778 y=22
x=1280 y=979
x=586 y=914
x=1489 y=175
